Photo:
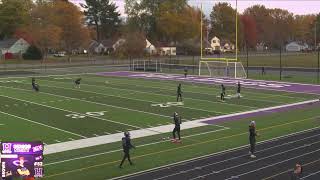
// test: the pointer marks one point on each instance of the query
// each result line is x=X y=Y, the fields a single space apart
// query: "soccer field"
x=108 y=105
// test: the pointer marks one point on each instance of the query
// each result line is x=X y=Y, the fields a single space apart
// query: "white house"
x=166 y=49
x=150 y=48
x=215 y=44
x=118 y=43
x=14 y=46
x=296 y=47
x=96 y=47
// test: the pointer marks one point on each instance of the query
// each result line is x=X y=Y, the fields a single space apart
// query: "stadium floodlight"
x=212 y=65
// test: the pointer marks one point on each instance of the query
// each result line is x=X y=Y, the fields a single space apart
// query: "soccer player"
x=179 y=93
x=238 y=90
x=126 y=145
x=35 y=86
x=252 y=138
x=77 y=83
x=223 y=92
x=185 y=72
x=177 y=122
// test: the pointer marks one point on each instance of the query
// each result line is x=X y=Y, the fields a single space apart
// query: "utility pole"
x=280 y=64
x=315 y=36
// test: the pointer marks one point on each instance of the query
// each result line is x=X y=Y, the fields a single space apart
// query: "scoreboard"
x=21 y=159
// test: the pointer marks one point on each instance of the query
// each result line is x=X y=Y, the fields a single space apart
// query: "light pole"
x=315 y=36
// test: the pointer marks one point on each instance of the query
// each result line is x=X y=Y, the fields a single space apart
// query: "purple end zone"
x=256 y=84
x=260 y=113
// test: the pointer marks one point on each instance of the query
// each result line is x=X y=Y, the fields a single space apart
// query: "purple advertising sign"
x=22 y=159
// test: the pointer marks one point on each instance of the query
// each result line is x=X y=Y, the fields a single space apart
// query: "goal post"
x=146 y=65
x=233 y=69
x=220 y=64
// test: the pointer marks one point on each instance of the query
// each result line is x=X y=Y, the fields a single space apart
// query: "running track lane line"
x=214 y=154
x=237 y=157
x=169 y=150
x=312 y=174
x=279 y=162
x=250 y=162
x=291 y=169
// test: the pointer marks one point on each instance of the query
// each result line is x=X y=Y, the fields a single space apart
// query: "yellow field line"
x=172 y=149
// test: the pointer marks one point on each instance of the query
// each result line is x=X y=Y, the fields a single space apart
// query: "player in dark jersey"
x=252 y=138
x=185 y=72
x=179 y=93
x=77 y=83
x=223 y=92
x=35 y=86
x=238 y=89
x=177 y=122
x=126 y=145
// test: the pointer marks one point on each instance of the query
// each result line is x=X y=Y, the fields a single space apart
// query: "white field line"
x=261 y=110
x=309 y=175
x=251 y=87
x=118 y=107
x=105 y=139
x=270 y=165
x=262 y=95
x=118 y=150
x=161 y=129
x=123 y=96
x=65 y=131
x=84 y=101
x=51 y=107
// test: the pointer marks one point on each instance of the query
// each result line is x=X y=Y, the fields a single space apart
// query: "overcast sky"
x=294 y=6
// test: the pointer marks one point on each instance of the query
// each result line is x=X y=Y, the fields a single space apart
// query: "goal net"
x=146 y=65
x=222 y=69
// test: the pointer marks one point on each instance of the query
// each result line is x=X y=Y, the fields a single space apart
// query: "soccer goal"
x=146 y=65
x=222 y=69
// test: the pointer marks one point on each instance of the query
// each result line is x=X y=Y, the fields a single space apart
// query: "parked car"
x=59 y=54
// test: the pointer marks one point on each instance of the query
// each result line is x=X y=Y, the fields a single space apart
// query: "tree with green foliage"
x=104 y=16
x=176 y=25
x=133 y=46
x=13 y=15
x=223 y=22
x=32 y=53
x=144 y=14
